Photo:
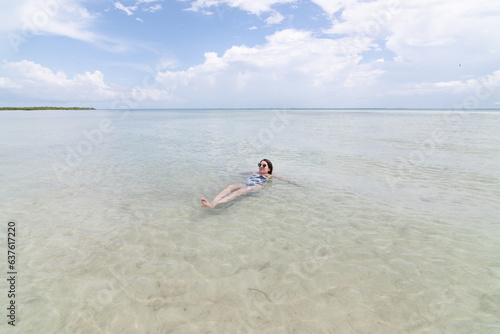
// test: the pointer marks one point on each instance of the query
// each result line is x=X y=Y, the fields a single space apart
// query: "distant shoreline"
x=45 y=108
x=256 y=109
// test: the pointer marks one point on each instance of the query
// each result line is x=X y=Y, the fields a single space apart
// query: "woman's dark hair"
x=270 y=164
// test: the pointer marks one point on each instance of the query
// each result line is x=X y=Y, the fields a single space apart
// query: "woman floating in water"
x=253 y=183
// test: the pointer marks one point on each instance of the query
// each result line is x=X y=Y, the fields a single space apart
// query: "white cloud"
x=21 y=20
x=377 y=51
x=128 y=10
x=291 y=66
x=276 y=18
x=332 y=7
x=362 y=18
x=44 y=84
x=62 y=17
x=6 y=83
x=298 y=67
x=363 y=76
x=426 y=40
x=418 y=29
x=446 y=30
x=252 y=6
x=488 y=83
x=28 y=81
x=140 y=94
x=154 y=8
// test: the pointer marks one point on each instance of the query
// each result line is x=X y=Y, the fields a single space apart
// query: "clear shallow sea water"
x=395 y=229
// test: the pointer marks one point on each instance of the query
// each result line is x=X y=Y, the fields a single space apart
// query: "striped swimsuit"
x=256 y=179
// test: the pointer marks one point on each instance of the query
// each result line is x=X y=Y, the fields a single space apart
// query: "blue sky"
x=250 y=53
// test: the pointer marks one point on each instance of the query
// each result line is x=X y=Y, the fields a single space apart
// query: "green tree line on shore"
x=46 y=108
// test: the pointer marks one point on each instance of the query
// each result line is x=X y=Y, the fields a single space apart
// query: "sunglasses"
x=262 y=165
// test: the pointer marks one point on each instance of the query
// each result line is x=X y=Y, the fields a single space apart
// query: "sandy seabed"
x=112 y=237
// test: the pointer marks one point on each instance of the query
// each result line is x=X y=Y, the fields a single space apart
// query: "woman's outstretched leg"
x=228 y=191
x=234 y=194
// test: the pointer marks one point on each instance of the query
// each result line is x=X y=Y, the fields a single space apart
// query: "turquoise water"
x=395 y=228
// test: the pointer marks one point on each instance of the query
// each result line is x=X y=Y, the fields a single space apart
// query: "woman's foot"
x=205 y=203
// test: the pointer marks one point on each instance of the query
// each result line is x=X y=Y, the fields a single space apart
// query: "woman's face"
x=263 y=167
